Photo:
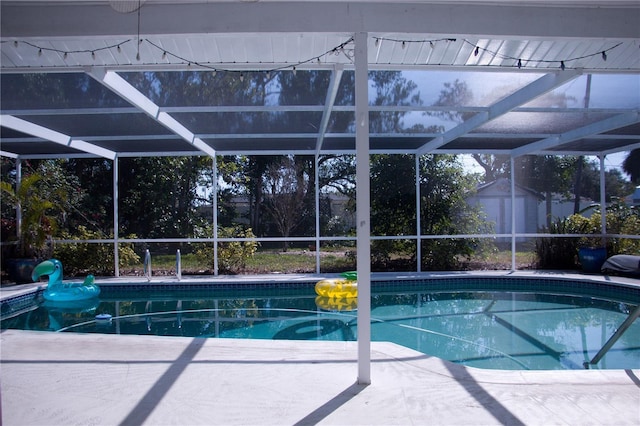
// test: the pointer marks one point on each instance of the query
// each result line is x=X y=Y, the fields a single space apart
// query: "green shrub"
x=232 y=255
x=621 y=219
x=561 y=253
x=447 y=254
x=92 y=258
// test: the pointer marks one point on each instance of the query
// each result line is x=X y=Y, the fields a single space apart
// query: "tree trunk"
x=576 y=190
x=549 y=203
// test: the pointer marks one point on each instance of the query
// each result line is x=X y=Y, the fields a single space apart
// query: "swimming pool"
x=486 y=323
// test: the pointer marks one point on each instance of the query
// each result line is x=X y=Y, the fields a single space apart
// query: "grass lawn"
x=303 y=261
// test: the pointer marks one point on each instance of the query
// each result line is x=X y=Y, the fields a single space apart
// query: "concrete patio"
x=65 y=379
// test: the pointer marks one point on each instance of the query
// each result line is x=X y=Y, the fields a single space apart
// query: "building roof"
x=503 y=186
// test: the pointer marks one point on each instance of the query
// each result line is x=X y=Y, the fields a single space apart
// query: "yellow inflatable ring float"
x=337 y=288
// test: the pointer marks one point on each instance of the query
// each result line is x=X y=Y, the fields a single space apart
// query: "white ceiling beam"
x=520 y=97
x=73 y=111
x=42 y=132
x=122 y=87
x=8 y=154
x=468 y=18
x=33 y=129
x=173 y=124
x=592 y=129
x=332 y=92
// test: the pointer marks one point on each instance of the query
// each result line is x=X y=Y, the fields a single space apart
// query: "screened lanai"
x=121 y=79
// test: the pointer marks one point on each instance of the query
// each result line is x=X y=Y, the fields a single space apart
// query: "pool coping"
x=11 y=291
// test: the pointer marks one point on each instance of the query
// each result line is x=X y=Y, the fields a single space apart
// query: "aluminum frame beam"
x=122 y=88
x=592 y=129
x=332 y=92
x=42 y=132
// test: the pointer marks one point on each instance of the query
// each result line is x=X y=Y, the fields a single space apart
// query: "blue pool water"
x=480 y=324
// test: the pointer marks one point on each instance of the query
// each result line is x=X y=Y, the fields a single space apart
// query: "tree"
x=495 y=166
x=226 y=181
x=256 y=167
x=337 y=173
x=444 y=188
x=391 y=88
x=631 y=165
x=157 y=195
x=454 y=94
x=393 y=206
x=547 y=174
x=393 y=194
x=95 y=210
x=286 y=186
x=443 y=208
x=615 y=184
x=44 y=195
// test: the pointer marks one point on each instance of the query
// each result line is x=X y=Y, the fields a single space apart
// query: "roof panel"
x=341 y=121
x=594 y=145
x=552 y=123
x=7 y=133
x=410 y=122
x=251 y=122
x=466 y=89
x=339 y=143
x=397 y=143
x=631 y=130
x=157 y=146
x=39 y=149
x=87 y=125
x=346 y=91
x=208 y=88
x=267 y=145
x=490 y=143
x=225 y=68
x=54 y=91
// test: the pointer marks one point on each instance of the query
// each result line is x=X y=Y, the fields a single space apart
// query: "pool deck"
x=66 y=378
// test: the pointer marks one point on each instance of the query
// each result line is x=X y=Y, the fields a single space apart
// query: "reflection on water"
x=483 y=329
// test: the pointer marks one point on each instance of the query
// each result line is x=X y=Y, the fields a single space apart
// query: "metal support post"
x=363 y=208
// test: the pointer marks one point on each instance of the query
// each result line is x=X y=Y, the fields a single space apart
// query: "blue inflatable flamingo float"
x=57 y=291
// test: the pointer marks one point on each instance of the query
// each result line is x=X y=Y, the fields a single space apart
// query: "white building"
x=530 y=207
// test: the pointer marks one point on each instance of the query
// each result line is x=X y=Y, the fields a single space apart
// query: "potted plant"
x=40 y=205
x=592 y=252
x=592 y=258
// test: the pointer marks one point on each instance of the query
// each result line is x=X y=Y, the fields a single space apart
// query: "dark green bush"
x=562 y=252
